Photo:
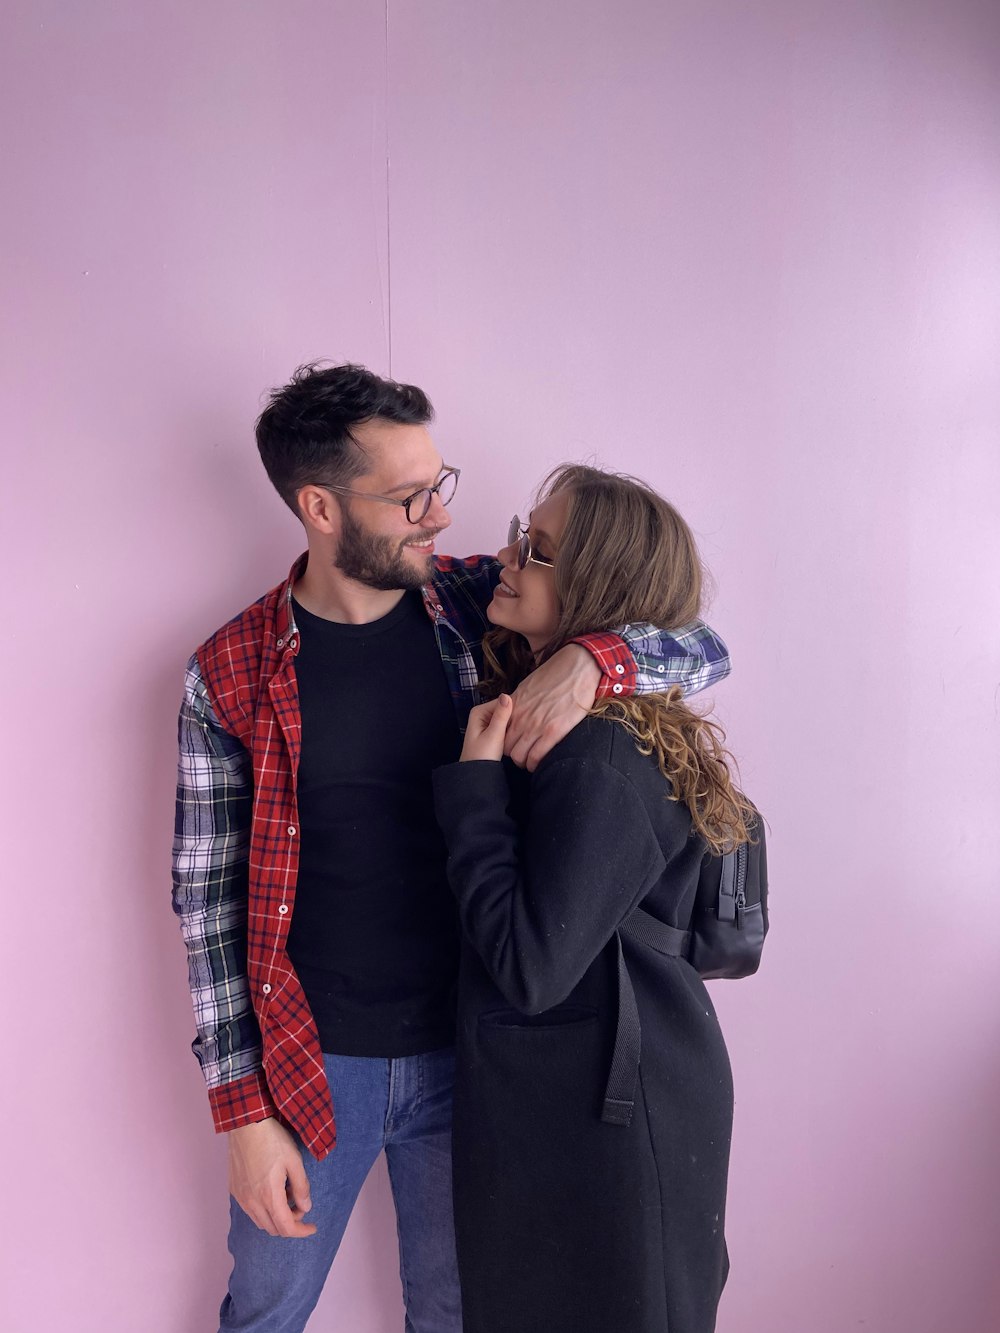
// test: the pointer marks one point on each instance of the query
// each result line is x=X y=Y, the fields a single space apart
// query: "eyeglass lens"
x=417 y=505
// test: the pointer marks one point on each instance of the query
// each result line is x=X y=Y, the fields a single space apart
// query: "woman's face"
x=525 y=599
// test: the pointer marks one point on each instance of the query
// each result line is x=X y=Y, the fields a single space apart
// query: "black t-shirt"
x=374 y=934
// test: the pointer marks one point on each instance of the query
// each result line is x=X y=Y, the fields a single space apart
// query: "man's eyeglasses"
x=526 y=554
x=417 y=504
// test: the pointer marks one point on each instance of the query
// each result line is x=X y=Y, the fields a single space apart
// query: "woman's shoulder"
x=599 y=740
x=606 y=758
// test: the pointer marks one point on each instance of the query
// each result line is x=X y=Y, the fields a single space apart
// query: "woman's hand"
x=550 y=703
x=487 y=729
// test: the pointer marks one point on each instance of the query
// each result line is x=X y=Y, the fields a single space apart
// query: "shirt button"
x=281 y=643
x=291 y=830
x=620 y=669
x=266 y=988
x=617 y=689
x=291 y=643
x=283 y=909
x=661 y=668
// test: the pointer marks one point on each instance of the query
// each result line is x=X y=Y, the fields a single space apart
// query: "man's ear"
x=318 y=510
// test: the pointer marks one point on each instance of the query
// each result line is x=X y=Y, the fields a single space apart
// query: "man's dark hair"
x=304 y=434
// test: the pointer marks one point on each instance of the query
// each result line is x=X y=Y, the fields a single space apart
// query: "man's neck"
x=329 y=594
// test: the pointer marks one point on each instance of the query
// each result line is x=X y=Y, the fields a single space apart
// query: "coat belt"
x=619 y=1097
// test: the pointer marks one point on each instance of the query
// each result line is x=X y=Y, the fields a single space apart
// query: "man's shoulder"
x=235 y=659
x=254 y=624
x=242 y=632
x=462 y=588
x=453 y=569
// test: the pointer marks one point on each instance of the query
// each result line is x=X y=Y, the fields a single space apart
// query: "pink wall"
x=752 y=252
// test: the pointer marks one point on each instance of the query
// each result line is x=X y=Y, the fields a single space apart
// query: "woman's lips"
x=505 y=590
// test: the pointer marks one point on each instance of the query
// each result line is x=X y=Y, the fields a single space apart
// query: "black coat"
x=567 y=1224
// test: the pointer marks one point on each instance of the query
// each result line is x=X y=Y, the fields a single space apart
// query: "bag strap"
x=639 y=926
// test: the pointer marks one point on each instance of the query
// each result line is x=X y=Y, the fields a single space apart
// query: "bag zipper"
x=741 y=881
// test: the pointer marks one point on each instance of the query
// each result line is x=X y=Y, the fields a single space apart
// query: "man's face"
x=378 y=545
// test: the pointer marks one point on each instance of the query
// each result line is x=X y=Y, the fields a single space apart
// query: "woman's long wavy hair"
x=625 y=556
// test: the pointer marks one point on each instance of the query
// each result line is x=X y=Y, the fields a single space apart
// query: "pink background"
x=749 y=251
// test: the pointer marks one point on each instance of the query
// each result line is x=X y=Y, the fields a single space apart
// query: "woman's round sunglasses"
x=526 y=554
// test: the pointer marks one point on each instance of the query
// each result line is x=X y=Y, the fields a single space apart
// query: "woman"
x=589 y=1197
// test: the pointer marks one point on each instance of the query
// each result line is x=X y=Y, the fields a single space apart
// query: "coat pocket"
x=557 y=1019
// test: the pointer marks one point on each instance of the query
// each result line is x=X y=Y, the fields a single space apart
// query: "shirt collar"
x=432 y=598
x=285 y=629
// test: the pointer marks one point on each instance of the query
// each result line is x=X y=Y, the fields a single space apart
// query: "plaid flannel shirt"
x=236 y=845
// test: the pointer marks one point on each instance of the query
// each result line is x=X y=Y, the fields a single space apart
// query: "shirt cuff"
x=241 y=1102
x=614 y=657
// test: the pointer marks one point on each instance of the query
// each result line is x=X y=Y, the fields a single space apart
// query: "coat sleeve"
x=540 y=906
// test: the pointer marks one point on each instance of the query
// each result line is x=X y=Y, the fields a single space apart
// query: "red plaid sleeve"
x=241 y=1102
x=613 y=655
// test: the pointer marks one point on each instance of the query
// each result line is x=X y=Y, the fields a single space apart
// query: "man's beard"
x=377 y=562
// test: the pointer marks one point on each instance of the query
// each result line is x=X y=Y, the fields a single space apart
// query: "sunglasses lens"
x=513 y=530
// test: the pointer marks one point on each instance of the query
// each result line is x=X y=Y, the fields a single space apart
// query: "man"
x=309 y=873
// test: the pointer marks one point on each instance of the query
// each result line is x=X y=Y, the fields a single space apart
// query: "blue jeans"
x=404 y=1107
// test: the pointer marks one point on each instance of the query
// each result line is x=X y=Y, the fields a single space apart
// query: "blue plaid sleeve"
x=210 y=871
x=693 y=657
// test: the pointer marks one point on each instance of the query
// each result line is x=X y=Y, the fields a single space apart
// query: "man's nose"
x=437 y=515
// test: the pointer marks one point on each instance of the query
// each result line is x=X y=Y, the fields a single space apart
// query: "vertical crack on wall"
x=388 y=205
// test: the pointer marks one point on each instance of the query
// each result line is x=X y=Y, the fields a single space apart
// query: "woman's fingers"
x=484 y=736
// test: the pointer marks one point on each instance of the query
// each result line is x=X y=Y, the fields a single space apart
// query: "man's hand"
x=549 y=703
x=267 y=1178
x=484 y=736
